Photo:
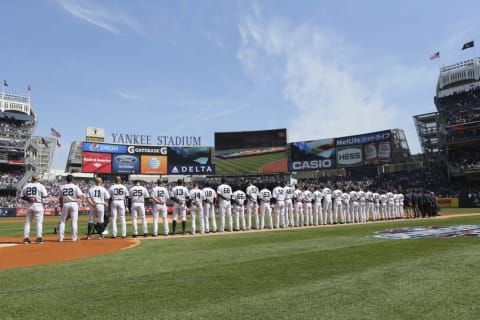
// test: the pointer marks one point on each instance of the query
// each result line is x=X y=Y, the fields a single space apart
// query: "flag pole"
x=3 y=96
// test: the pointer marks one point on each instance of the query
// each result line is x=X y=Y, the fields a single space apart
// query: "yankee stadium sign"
x=146 y=139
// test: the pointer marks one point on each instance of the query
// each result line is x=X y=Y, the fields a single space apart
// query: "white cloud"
x=110 y=19
x=127 y=96
x=331 y=91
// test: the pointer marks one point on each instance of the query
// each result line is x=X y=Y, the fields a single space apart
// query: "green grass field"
x=316 y=273
x=251 y=164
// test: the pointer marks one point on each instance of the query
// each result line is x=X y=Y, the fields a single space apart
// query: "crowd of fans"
x=12 y=132
x=460 y=108
x=10 y=179
x=433 y=180
x=465 y=159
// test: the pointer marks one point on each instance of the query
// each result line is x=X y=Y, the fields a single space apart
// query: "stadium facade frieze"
x=146 y=139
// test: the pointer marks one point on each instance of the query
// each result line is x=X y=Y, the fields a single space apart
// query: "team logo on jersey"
x=429 y=232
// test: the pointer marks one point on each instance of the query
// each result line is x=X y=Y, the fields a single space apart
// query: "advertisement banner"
x=153 y=150
x=96 y=162
x=104 y=147
x=379 y=136
x=447 y=202
x=152 y=164
x=125 y=163
x=8 y=212
x=312 y=155
x=190 y=155
x=191 y=169
x=349 y=156
x=377 y=152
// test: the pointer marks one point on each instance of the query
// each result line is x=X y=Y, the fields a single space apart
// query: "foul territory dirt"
x=13 y=253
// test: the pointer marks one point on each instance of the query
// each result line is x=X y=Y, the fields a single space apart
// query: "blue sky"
x=320 y=69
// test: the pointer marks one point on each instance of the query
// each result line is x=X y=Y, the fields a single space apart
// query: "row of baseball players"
x=291 y=207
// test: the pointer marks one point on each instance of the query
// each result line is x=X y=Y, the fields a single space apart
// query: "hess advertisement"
x=349 y=156
x=312 y=155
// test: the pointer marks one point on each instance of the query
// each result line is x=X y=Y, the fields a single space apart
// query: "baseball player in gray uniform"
x=97 y=197
x=138 y=194
x=159 y=196
x=34 y=192
x=118 y=193
x=70 y=195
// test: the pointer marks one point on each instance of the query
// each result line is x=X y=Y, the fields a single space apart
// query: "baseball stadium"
x=415 y=259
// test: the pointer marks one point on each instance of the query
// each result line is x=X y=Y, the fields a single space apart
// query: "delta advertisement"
x=190 y=160
x=312 y=155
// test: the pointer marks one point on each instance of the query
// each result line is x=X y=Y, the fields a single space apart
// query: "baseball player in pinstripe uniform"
x=289 y=220
x=159 y=196
x=298 y=198
x=252 y=205
x=209 y=208
x=327 y=205
x=97 y=197
x=138 y=195
x=317 y=206
x=354 y=207
x=337 y=204
x=34 y=192
x=307 y=205
x=179 y=196
x=224 y=192
x=196 y=208
x=346 y=207
x=239 y=197
x=278 y=194
x=370 y=207
x=118 y=194
x=362 y=204
x=265 y=207
x=70 y=195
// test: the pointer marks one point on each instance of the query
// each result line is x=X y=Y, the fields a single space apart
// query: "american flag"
x=55 y=133
x=436 y=55
x=58 y=144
